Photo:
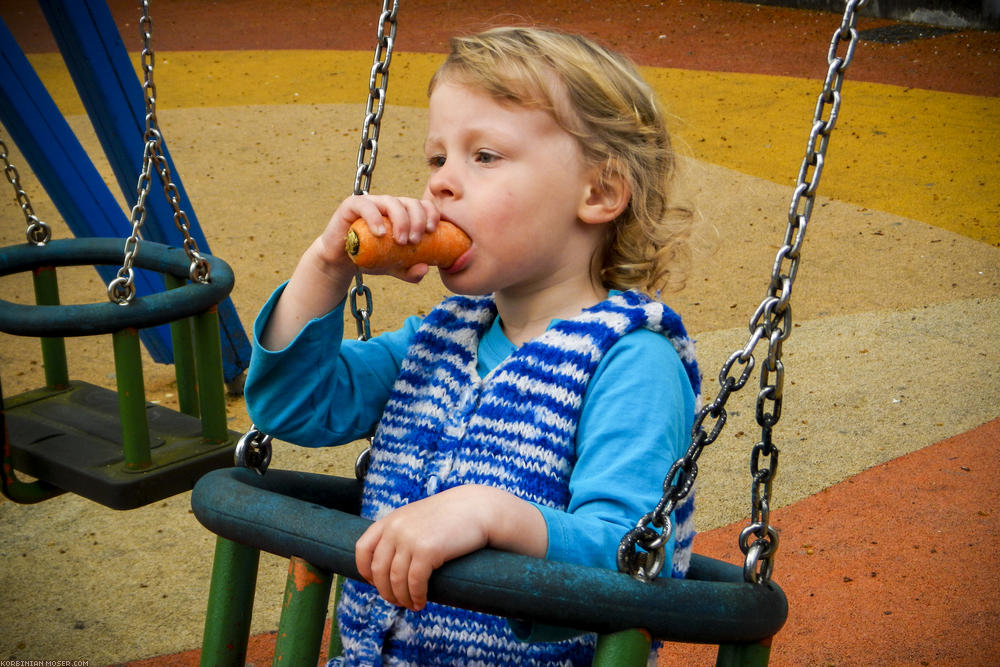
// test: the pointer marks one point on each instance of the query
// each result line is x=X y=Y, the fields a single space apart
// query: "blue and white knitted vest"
x=443 y=427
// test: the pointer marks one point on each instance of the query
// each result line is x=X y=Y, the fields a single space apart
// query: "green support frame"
x=132 y=400
x=628 y=647
x=230 y=605
x=182 y=338
x=754 y=654
x=53 y=349
x=303 y=614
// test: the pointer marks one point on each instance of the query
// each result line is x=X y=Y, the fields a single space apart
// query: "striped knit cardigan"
x=443 y=427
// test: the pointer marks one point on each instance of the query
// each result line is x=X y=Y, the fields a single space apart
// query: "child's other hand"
x=411 y=219
x=398 y=553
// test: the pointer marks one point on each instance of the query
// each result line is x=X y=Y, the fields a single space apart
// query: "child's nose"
x=443 y=184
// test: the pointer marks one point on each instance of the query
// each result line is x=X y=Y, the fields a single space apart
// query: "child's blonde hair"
x=599 y=97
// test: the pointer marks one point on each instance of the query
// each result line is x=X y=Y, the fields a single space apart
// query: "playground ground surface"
x=890 y=429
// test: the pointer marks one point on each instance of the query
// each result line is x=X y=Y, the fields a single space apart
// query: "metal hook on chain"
x=38 y=232
x=253 y=450
x=121 y=290
x=759 y=562
x=644 y=567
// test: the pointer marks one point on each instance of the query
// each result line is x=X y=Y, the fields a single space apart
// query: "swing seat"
x=314 y=517
x=71 y=438
x=115 y=448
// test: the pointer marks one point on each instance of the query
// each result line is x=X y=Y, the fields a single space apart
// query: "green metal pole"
x=211 y=386
x=53 y=349
x=303 y=614
x=336 y=646
x=623 y=649
x=132 y=400
x=230 y=605
x=184 y=369
x=756 y=654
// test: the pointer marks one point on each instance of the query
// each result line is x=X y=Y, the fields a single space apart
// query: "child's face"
x=514 y=180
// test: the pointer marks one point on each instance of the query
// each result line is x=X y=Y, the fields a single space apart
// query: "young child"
x=537 y=412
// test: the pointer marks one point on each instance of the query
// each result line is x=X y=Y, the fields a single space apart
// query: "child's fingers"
x=399 y=580
x=418 y=576
x=398 y=211
x=362 y=207
x=405 y=213
x=432 y=213
x=407 y=580
x=382 y=563
x=391 y=568
x=364 y=551
x=411 y=219
x=412 y=228
x=415 y=273
x=423 y=218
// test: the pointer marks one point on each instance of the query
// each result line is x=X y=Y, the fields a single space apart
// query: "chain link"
x=37 y=232
x=378 y=83
x=121 y=289
x=772 y=321
x=253 y=450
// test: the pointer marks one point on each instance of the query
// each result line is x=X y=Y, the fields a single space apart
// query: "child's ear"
x=606 y=195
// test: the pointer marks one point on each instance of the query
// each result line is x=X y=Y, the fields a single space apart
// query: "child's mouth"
x=459 y=263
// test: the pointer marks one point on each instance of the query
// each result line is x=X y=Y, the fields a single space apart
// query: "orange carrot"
x=439 y=248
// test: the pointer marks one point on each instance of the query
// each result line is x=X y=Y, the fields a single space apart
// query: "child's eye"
x=485 y=157
x=435 y=161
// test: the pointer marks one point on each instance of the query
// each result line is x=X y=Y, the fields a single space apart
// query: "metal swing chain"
x=121 y=290
x=378 y=82
x=772 y=321
x=254 y=449
x=37 y=232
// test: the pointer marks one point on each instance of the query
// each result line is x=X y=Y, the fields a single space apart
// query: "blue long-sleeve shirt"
x=637 y=415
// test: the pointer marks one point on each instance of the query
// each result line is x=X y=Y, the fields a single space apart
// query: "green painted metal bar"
x=303 y=614
x=623 y=649
x=53 y=348
x=211 y=386
x=753 y=654
x=336 y=646
x=182 y=337
x=132 y=400
x=230 y=605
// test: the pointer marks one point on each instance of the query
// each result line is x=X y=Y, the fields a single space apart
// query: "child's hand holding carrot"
x=440 y=247
x=383 y=234
x=325 y=271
